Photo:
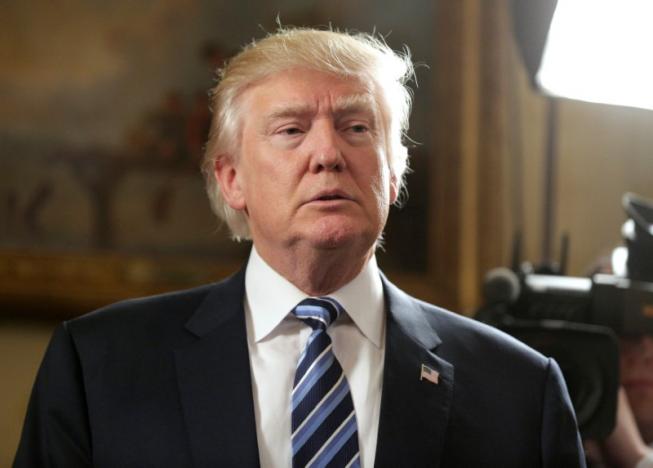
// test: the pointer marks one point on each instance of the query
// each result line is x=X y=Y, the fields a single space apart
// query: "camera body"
x=621 y=304
x=577 y=321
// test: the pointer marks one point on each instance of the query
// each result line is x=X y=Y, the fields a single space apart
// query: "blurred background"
x=104 y=114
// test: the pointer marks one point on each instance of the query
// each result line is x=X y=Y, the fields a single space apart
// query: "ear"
x=394 y=189
x=228 y=176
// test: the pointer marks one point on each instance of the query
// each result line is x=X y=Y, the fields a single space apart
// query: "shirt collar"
x=362 y=298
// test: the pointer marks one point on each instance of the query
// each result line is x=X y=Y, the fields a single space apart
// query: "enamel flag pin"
x=429 y=374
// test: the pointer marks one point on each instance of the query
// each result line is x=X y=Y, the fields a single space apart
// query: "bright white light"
x=619 y=261
x=600 y=51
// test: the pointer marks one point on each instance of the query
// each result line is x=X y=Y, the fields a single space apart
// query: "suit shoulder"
x=158 y=306
x=160 y=317
x=134 y=327
x=461 y=338
x=461 y=331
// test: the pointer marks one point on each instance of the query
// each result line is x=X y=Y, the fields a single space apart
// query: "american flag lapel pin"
x=429 y=374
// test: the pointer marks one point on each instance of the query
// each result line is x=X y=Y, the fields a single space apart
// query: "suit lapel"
x=414 y=412
x=215 y=381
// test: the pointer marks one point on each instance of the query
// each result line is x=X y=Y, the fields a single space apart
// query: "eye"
x=290 y=131
x=359 y=128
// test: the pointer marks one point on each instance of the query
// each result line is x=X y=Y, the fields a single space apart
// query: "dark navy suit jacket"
x=165 y=382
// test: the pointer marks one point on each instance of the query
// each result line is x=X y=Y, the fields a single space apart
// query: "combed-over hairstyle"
x=358 y=56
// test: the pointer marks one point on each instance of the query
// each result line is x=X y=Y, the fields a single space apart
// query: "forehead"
x=309 y=91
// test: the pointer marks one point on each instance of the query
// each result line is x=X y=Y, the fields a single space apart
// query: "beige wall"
x=21 y=348
x=604 y=151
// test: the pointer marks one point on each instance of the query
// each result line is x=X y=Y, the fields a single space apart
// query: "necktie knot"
x=318 y=312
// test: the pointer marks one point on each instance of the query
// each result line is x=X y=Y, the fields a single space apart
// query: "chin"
x=333 y=241
x=341 y=235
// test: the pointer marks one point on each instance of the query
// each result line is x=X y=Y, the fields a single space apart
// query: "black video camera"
x=577 y=320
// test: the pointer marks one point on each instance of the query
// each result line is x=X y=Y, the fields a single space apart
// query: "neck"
x=317 y=272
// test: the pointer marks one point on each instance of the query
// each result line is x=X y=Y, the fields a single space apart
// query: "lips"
x=330 y=195
x=329 y=198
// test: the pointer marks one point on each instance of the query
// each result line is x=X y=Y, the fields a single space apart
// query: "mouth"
x=332 y=195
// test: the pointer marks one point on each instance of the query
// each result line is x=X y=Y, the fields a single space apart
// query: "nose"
x=325 y=148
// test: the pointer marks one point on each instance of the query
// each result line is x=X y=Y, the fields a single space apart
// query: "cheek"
x=372 y=164
x=272 y=185
x=382 y=181
x=279 y=166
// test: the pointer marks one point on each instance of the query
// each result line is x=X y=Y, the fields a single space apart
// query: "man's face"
x=637 y=375
x=312 y=167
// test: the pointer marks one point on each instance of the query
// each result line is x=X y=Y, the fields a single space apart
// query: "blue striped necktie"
x=324 y=429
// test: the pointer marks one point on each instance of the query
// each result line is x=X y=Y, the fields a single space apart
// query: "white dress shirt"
x=276 y=338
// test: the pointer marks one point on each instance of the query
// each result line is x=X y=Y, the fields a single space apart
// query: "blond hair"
x=361 y=56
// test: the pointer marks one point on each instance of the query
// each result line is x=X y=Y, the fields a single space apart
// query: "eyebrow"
x=355 y=103
x=351 y=104
x=285 y=111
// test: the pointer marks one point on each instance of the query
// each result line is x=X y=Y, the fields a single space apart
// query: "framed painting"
x=104 y=117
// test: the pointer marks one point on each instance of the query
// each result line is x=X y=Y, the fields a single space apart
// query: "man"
x=629 y=444
x=305 y=158
x=636 y=370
